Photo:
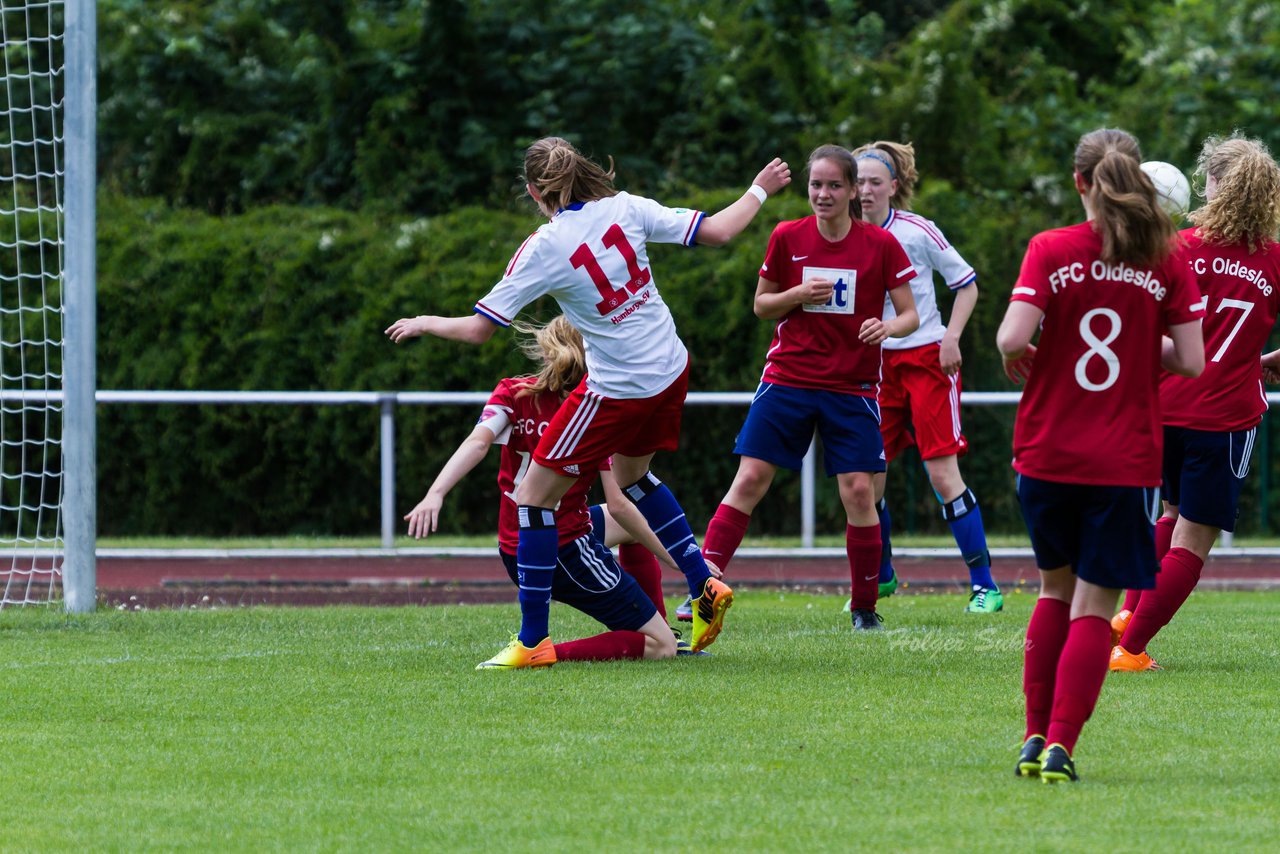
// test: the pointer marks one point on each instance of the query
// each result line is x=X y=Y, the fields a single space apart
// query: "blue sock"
x=536 y=565
x=965 y=519
x=886 y=547
x=664 y=515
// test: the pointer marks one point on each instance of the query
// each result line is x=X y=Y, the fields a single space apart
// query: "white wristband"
x=759 y=192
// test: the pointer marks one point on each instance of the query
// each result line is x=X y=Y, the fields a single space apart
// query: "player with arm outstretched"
x=627 y=601
x=920 y=374
x=1211 y=421
x=824 y=279
x=592 y=258
x=1086 y=439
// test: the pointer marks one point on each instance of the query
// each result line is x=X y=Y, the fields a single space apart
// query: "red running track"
x=290 y=580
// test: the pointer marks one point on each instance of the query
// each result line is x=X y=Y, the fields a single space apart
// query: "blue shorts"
x=589 y=579
x=781 y=421
x=1204 y=472
x=597 y=521
x=1106 y=534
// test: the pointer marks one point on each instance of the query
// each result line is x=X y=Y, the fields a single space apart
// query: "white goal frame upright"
x=48 y=436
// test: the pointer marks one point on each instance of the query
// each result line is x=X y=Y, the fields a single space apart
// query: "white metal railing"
x=387 y=401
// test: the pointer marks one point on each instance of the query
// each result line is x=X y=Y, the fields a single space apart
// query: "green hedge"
x=298 y=298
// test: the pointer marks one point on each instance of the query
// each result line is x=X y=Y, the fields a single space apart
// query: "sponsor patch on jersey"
x=841 y=301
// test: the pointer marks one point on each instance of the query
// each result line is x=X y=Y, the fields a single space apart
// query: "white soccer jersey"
x=928 y=250
x=592 y=258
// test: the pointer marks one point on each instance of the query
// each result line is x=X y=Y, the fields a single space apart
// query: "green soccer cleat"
x=888 y=587
x=516 y=655
x=1056 y=765
x=1029 y=758
x=985 y=600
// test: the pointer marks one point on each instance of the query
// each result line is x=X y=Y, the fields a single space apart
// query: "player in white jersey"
x=920 y=374
x=592 y=258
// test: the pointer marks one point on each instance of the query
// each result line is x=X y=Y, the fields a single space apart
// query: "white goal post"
x=48 y=495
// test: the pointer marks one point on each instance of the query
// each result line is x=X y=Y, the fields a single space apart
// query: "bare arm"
x=622 y=511
x=961 y=310
x=1271 y=366
x=1182 y=352
x=905 y=321
x=424 y=518
x=771 y=302
x=721 y=227
x=1013 y=339
x=472 y=328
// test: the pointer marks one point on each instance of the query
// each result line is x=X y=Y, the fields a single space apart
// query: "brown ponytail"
x=558 y=346
x=1133 y=226
x=902 y=156
x=562 y=176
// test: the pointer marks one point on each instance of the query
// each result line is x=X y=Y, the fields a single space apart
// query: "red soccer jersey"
x=1242 y=297
x=817 y=346
x=1090 y=412
x=518 y=422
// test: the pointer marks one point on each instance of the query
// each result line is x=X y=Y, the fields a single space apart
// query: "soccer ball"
x=1173 y=191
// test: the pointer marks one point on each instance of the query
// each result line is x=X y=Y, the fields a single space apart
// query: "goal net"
x=32 y=250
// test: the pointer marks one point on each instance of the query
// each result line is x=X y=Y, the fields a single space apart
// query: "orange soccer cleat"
x=708 y=612
x=516 y=655
x=1123 y=661
x=1119 y=623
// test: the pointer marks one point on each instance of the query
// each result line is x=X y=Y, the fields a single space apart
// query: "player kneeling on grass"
x=1086 y=439
x=592 y=258
x=586 y=577
x=825 y=280
x=1211 y=421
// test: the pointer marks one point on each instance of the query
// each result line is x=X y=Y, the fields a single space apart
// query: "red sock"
x=640 y=564
x=724 y=534
x=1046 y=633
x=1179 y=574
x=863 y=547
x=1164 y=536
x=605 y=647
x=1082 y=668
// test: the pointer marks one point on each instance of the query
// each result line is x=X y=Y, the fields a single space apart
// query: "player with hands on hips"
x=1087 y=437
x=824 y=280
x=592 y=258
x=920 y=375
x=1211 y=421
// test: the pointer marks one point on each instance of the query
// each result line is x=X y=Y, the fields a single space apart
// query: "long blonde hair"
x=1246 y=207
x=562 y=176
x=902 y=156
x=1133 y=226
x=558 y=346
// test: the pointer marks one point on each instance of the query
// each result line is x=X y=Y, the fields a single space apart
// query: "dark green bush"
x=298 y=298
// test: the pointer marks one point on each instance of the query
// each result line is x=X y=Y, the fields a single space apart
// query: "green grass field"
x=367 y=729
